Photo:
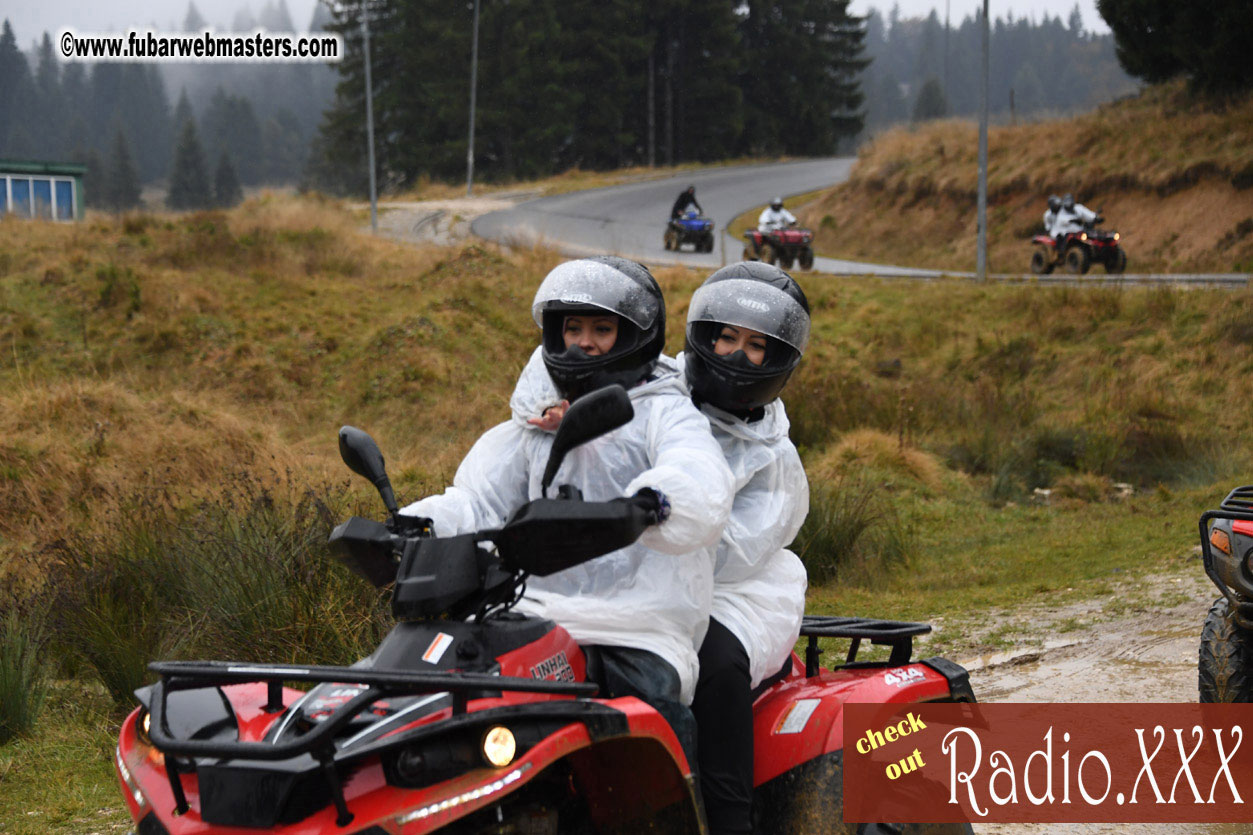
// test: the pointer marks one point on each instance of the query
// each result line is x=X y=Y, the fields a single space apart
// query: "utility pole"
x=669 y=98
x=946 y=90
x=981 y=267
x=652 y=110
x=369 y=118
x=474 y=86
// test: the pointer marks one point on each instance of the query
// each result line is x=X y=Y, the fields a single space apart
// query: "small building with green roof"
x=48 y=190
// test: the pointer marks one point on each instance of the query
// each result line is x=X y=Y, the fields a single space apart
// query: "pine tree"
x=229 y=125
x=49 y=114
x=121 y=190
x=16 y=96
x=226 y=190
x=1207 y=42
x=189 y=183
x=930 y=103
x=800 y=69
x=182 y=113
x=193 y=22
x=95 y=179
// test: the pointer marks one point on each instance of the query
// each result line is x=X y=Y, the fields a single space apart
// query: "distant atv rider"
x=1050 y=215
x=686 y=198
x=1070 y=217
x=775 y=217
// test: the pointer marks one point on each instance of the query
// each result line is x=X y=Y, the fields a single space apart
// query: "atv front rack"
x=1238 y=506
x=192 y=675
x=895 y=633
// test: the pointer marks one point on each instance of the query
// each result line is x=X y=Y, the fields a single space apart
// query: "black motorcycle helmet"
x=592 y=287
x=1055 y=202
x=754 y=295
x=1068 y=202
x=776 y=203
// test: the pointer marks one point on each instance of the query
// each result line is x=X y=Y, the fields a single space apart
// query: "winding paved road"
x=629 y=220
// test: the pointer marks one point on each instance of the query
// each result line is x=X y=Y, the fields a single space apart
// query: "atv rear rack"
x=897 y=634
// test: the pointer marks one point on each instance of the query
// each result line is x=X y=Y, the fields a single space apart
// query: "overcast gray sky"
x=30 y=18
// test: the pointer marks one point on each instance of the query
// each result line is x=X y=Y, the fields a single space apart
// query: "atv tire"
x=1041 y=262
x=1116 y=263
x=671 y=241
x=806 y=258
x=748 y=254
x=769 y=254
x=706 y=244
x=785 y=259
x=1077 y=260
x=1225 y=663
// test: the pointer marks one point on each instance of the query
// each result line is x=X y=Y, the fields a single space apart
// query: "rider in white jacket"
x=1071 y=217
x=775 y=216
x=747 y=327
x=759 y=585
x=651 y=600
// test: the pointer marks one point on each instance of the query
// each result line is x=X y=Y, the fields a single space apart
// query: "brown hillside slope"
x=1173 y=176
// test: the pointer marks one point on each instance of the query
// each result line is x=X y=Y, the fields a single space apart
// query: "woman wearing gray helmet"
x=748 y=325
x=747 y=328
x=640 y=613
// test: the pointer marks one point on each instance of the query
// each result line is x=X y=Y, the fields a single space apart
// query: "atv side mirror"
x=363 y=457
x=591 y=416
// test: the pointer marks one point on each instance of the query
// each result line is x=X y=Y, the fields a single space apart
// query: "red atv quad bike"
x=1078 y=251
x=780 y=245
x=472 y=718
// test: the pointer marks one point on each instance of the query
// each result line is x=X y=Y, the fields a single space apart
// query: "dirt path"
x=1139 y=647
x=439 y=222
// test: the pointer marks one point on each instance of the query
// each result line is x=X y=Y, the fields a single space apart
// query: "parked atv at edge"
x=1225 y=663
x=780 y=245
x=690 y=228
x=472 y=718
x=1076 y=252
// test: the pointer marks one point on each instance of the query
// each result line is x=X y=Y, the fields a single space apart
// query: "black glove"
x=653 y=502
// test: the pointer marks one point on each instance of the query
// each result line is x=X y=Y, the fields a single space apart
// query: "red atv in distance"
x=471 y=718
x=780 y=245
x=1077 y=251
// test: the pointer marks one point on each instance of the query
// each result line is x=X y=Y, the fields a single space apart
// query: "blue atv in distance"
x=690 y=228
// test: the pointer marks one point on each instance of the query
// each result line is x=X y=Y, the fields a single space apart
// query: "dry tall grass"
x=150 y=359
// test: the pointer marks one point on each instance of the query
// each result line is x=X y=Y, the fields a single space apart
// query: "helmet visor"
x=587 y=283
x=755 y=305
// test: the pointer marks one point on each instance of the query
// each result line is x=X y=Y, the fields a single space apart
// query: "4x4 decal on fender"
x=902 y=677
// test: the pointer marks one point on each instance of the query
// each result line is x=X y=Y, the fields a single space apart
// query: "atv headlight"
x=499 y=746
x=1117 y=236
x=1084 y=236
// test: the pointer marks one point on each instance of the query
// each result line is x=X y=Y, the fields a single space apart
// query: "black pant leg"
x=724 y=719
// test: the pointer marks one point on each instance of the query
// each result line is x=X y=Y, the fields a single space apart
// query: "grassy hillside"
x=171 y=385
x=1173 y=175
x=152 y=357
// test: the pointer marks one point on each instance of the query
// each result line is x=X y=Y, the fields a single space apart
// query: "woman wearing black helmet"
x=640 y=613
x=747 y=328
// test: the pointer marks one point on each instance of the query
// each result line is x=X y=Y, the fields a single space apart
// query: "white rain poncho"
x=759 y=585
x=654 y=595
